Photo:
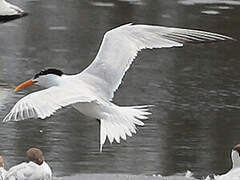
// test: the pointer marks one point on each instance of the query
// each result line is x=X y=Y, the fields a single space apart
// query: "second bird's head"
x=45 y=78
x=236 y=149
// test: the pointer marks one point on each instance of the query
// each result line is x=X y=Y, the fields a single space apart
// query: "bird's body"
x=29 y=171
x=36 y=169
x=92 y=90
x=9 y=11
x=3 y=173
x=234 y=173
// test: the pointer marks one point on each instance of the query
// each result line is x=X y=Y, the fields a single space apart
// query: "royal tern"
x=92 y=90
x=9 y=11
x=35 y=169
x=234 y=173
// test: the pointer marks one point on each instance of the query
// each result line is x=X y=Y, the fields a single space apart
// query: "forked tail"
x=122 y=121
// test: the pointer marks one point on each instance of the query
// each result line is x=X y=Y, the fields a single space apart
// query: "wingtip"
x=5 y=119
x=227 y=38
x=23 y=14
x=232 y=39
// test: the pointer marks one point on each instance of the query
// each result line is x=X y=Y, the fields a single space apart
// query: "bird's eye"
x=36 y=76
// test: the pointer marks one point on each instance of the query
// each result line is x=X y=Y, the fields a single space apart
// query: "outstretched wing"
x=42 y=104
x=9 y=10
x=120 y=46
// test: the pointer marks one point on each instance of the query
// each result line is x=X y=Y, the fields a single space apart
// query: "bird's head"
x=35 y=155
x=236 y=156
x=45 y=78
x=237 y=149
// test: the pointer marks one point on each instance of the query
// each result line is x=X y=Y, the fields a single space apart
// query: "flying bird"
x=234 y=173
x=10 y=12
x=92 y=90
x=36 y=169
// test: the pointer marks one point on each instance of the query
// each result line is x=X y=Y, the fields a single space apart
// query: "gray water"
x=122 y=177
x=195 y=89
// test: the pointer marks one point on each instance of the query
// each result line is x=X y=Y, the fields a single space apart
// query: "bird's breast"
x=92 y=109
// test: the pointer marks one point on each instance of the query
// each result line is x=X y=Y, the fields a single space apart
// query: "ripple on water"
x=57 y=28
x=212 y=12
x=5 y=94
x=102 y=4
x=134 y=2
x=221 y=7
x=193 y=2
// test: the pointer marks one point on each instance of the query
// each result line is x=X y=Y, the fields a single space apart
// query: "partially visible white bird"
x=9 y=11
x=35 y=169
x=3 y=171
x=91 y=91
x=234 y=173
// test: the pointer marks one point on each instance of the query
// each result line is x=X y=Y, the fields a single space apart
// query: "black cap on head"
x=48 y=71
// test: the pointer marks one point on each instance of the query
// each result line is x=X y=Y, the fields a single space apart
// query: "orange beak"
x=24 y=85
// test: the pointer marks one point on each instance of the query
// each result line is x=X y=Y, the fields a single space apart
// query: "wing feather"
x=121 y=45
x=42 y=104
x=8 y=9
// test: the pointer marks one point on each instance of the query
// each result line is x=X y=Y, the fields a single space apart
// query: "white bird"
x=3 y=171
x=234 y=173
x=91 y=91
x=9 y=11
x=35 y=169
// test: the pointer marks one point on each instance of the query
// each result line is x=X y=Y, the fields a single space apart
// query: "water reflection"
x=195 y=89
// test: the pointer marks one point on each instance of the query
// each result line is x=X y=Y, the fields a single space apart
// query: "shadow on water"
x=195 y=89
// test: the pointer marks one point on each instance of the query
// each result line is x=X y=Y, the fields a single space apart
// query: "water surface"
x=195 y=89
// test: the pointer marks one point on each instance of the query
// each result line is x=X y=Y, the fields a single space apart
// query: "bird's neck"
x=235 y=159
x=51 y=80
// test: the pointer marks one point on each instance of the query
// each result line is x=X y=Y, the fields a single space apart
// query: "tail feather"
x=121 y=122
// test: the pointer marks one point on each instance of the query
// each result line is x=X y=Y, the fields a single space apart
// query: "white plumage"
x=29 y=171
x=234 y=173
x=3 y=173
x=92 y=90
x=7 y=9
